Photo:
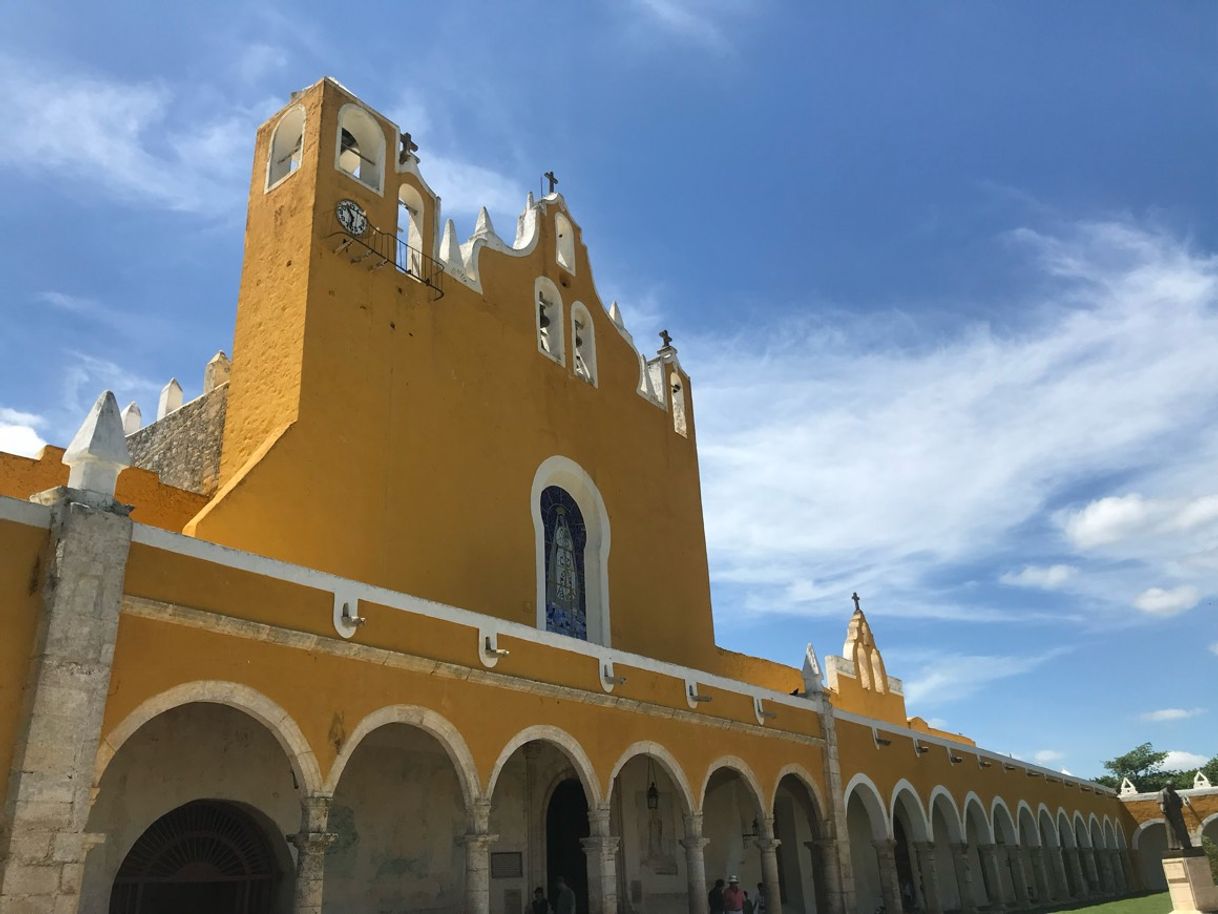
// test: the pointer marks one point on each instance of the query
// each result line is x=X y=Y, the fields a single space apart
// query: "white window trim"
x=564 y=248
x=338 y=147
x=268 y=185
x=570 y=476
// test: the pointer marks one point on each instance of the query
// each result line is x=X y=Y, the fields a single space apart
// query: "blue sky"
x=945 y=276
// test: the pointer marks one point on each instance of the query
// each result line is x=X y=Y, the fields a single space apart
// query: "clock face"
x=352 y=217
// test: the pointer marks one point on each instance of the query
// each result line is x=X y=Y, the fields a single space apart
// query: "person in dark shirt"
x=540 y=905
x=715 y=899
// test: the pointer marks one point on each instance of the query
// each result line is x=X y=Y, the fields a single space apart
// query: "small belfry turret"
x=858 y=679
x=861 y=650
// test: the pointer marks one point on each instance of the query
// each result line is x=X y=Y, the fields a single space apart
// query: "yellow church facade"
x=410 y=611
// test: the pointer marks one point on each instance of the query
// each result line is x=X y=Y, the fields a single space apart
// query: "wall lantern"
x=653 y=794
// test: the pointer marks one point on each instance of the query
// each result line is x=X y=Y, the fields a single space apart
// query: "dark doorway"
x=201 y=858
x=566 y=824
x=905 y=870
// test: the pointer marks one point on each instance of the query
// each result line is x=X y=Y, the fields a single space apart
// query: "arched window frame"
x=676 y=390
x=555 y=333
x=411 y=216
x=371 y=141
x=568 y=475
x=584 y=353
x=284 y=151
x=564 y=243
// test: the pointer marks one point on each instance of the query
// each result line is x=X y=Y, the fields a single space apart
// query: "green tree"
x=1142 y=765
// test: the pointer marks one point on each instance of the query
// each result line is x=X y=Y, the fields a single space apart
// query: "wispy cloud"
x=940 y=678
x=1160 y=602
x=1166 y=714
x=1214 y=648
x=126 y=138
x=694 y=21
x=1043 y=577
x=1047 y=756
x=19 y=432
x=1178 y=760
x=854 y=451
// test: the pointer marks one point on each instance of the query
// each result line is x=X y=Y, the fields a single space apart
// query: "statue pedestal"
x=1190 y=882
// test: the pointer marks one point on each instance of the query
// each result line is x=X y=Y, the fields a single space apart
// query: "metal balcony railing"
x=378 y=249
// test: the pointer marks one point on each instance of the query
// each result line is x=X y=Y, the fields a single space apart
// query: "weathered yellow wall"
x=886 y=706
x=402 y=435
x=21 y=547
x=154 y=503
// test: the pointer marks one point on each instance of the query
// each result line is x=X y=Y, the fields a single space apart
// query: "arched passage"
x=543 y=790
x=1007 y=838
x=868 y=833
x=1055 y=864
x=1031 y=861
x=400 y=787
x=947 y=834
x=798 y=823
x=190 y=752
x=731 y=819
x=650 y=796
x=910 y=827
x=1149 y=843
x=202 y=857
x=978 y=833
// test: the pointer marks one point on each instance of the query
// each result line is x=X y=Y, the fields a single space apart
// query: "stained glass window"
x=566 y=537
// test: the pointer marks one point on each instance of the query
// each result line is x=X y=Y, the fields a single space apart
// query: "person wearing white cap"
x=733 y=897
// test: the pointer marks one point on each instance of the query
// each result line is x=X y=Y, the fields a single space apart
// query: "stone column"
x=890 y=882
x=824 y=851
x=1019 y=882
x=1133 y=878
x=1093 y=878
x=478 y=841
x=998 y=892
x=1118 y=872
x=80 y=579
x=1040 y=875
x=600 y=847
x=964 y=878
x=768 y=845
x=836 y=827
x=1057 y=861
x=924 y=852
x=311 y=843
x=695 y=863
x=1076 y=872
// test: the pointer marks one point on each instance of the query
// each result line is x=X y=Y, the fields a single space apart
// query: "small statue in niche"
x=1173 y=805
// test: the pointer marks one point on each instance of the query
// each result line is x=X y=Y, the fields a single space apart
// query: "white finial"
x=132 y=418
x=216 y=372
x=811 y=672
x=98 y=452
x=1200 y=781
x=529 y=202
x=1127 y=788
x=615 y=315
x=483 y=227
x=171 y=398
x=450 y=248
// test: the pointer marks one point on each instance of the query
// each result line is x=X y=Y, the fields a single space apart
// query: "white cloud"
x=1214 y=647
x=464 y=188
x=859 y=453
x=1046 y=756
x=1043 y=577
x=1159 y=602
x=1107 y=520
x=135 y=140
x=1183 y=761
x=1165 y=714
x=690 y=20
x=939 y=678
x=18 y=432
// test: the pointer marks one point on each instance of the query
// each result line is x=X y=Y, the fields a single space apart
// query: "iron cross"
x=666 y=338
x=409 y=146
x=549 y=176
x=855 y=598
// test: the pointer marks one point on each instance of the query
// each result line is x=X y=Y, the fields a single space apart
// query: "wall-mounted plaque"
x=509 y=865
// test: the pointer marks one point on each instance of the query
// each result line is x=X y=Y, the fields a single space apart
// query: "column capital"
x=480 y=815
x=693 y=824
x=692 y=843
x=479 y=840
x=600 y=844
x=598 y=820
x=312 y=842
x=768 y=845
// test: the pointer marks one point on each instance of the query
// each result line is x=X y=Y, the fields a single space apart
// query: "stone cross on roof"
x=855 y=597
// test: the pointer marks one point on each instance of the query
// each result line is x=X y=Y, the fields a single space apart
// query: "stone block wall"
x=183 y=448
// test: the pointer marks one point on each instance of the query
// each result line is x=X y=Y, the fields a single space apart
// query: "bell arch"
x=284 y=151
x=567 y=744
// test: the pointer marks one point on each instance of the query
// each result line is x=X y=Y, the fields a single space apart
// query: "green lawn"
x=1159 y=903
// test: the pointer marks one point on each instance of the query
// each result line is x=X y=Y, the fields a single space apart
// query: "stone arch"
x=583 y=343
x=567 y=744
x=800 y=773
x=1065 y=834
x=666 y=760
x=955 y=821
x=568 y=475
x=1000 y=814
x=548 y=312
x=1205 y=823
x=1109 y=833
x=423 y=719
x=564 y=242
x=1025 y=822
x=906 y=795
x=235 y=695
x=871 y=798
x=742 y=768
x=1144 y=827
x=974 y=808
x=1095 y=833
x=1080 y=830
x=359 y=147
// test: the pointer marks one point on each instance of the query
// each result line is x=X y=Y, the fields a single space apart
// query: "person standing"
x=761 y=906
x=715 y=899
x=564 y=898
x=540 y=905
x=733 y=897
